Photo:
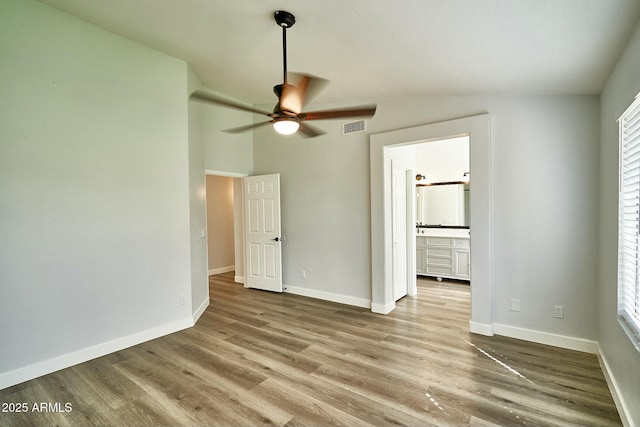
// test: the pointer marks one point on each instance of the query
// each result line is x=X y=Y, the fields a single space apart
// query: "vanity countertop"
x=441 y=226
x=443 y=231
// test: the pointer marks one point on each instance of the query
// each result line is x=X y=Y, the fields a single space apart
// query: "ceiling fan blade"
x=201 y=95
x=309 y=131
x=363 y=111
x=245 y=128
x=299 y=90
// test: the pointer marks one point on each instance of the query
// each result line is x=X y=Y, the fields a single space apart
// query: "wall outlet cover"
x=558 y=312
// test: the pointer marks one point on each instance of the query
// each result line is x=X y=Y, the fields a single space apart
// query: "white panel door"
x=399 y=229
x=263 y=261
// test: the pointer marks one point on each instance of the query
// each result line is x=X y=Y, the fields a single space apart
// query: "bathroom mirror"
x=443 y=204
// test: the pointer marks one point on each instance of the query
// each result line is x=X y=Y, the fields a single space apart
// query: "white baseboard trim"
x=327 y=296
x=481 y=328
x=222 y=270
x=616 y=393
x=200 y=310
x=383 y=308
x=547 y=338
x=239 y=279
x=26 y=373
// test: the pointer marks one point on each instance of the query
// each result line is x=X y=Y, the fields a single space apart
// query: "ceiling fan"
x=287 y=116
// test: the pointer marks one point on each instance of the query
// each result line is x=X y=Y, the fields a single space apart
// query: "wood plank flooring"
x=257 y=358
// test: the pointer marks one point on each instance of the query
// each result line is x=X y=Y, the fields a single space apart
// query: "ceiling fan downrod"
x=285 y=20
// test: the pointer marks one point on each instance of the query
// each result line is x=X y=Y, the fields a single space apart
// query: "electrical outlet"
x=303 y=273
x=515 y=304
x=183 y=299
x=558 y=312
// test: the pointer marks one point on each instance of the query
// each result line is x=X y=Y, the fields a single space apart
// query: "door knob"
x=277 y=239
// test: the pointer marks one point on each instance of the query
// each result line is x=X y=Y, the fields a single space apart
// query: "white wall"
x=226 y=152
x=94 y=192
x=623 y=360
x=544 y=171
x=197 y=199
x=324 y=206
x=443 y=161
x=407 y=155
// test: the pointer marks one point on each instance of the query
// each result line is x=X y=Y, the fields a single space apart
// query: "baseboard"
x=200 y=310
x=222 y=270
x=327 y=296
x=383 y=308
x=616 y=393
x=239 y=279
x=481 y=328
x=562 y=341
x=20 y=375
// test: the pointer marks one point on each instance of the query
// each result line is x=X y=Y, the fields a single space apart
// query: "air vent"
x=354 y=127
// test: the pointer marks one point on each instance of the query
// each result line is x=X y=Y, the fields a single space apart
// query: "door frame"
x=478 y=128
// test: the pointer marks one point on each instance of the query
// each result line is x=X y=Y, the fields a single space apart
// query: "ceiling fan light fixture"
x=286 y=126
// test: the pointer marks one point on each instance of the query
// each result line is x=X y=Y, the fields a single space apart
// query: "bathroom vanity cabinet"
x=443 y=253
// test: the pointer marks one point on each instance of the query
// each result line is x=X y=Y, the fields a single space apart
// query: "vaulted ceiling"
x=382 y=49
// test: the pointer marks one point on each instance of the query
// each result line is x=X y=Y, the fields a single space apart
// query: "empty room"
x=434 y=209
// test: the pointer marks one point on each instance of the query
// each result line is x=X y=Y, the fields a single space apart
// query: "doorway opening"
x=478 y=130
x=224 y=211
x=430 y=212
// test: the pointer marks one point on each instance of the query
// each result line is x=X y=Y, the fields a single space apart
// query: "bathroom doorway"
x=478 y=129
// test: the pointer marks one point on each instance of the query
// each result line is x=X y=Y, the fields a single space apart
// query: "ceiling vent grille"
x=354 y=127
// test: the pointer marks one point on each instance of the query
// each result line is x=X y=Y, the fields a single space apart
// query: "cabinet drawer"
x=439 y=261
x=446 y=252
x=437 y=270
x=460 y=243
x=439 y=241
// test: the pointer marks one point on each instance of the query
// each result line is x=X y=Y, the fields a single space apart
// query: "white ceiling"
x=382 y=49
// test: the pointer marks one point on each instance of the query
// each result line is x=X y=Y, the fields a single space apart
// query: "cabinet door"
x=462 y=264
x=420 y=258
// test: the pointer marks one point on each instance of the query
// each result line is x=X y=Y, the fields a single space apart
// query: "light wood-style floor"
x=258 y=358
